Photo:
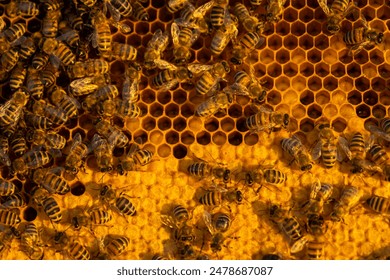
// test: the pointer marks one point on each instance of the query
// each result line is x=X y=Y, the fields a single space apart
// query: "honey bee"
x=16 y=200
x=382 y=131
x=102 y=150
x=362 y=37
x=250 y=23
x=203 y=169
x=14 y=32
x=379 y=204
x=52 y=5
x=379 y=156
x=49 y=75
x=7 y=188
x=119 y=108
x=182 y=41
x=249 y=42
x=37 y=121
x=169 y=78
x=9 y=218
x=31 y=243
x=3 y=24
x=275 y=10
x=349 y=199
x=113 y=134
x=83 y=86
x=106 y=92
x=195 y=17
x=31 y=160
x=115 y=245
x=316 y=225
x=266 y=119
x=59 y=52
x=27 y=48
x=219 y=196
x=51 y=180
x=6 y=237
x=9 y=59
x=4 y=150
x=78 y=151
x=48 y=203
x=67 y=103
x=335 y=13
x=102 y=35
x=319 y=195
x=176 y=5
x=34 y=84
x=94 y=217
x=177 y=220
x=217 y=224
x=223 y=35
x=70 y=37
x=88 y=68
x=219 y=101
x=124 y=205
x=130 y=89
x=211 y=76
x=154 y=49
x=294 y=147
x=50 y=23
x=22 y=8
x=39 y=60
x=327 y=146
x=54 y=114
x=217 y=13
x=315 y=247
x=11 y=110
x=123 y=52
x=118 y=8
x=247 y=85
x=135 y=157
x=17 y=77
x=77 y=251
x=139 y=12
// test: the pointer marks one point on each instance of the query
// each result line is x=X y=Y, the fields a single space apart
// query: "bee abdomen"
x=275 y=176
x=52 y=210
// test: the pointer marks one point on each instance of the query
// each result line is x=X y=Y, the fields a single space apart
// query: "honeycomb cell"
x=274 y=70
x=314 y=56
x=363 y=111
x=179 y=124
x=314 y=111
x=330 y=111
x=187 y=137
x=368 y=12
x=203 y=138
x=298 y=4
x=164 y=16
x=379 y=111
x=314 y=83
x=383 y=12
x=203 y=56
x=298 y=56
x=339 y=125
x=187 y=110
x=322 y=97
x=330 y=83
x=362 y=57
x=179 y=151
x=164 y=150
x=283 y=108
x=321 y=42
x=241 y=124
x=30 y=214
x=195 y=124
x=298 y=83
x=290 y=42
x=235 y=111
x=306 y=14
x=290 y=70
x=290 y=14
x=362 y=84
x=242 y=100
x=77 y=189
x=306 y=42
x=354 y=70
x=370 y=97
x=369 y=70
x=314 y=28
x=339 y=97
x=306 y=97
x=282 y=56
x=298 y=28
x=347 y=111
x=119 y=38
x=179 y=96
x=164 y=123
x=164 y=97
x=274 y=42
x=34 y=25
x=384 y=97
x=156 y=137
x=306 y=125
x=148 y=123
x=235 y=138
x=219 y=138
x=283 y=28
x=267 y=56
x=141 y=136
x=336 y=43
x=148 y=96
x=330 y=56
x=142 y=28
x=322 y=69
x=306 y=69
x=354 y=97
x=290 y=97
x=384 y=71
x=274 y=97
x=172 y=110
x=282 y=83
x=227 y=124
x=135 y=40
x=117 y=68
x=156 y=110
x=211 y=125
x=172 y=137
x=378 y=84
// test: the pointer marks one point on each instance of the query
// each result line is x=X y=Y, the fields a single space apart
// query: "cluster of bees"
x=59 y=70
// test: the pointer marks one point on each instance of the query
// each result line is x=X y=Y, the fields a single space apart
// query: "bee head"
x=333 y=28
x=286 y=120
x=226 y=66
x=379 y=38
x=306 y=167
x=236 y=61
x=120 y=169
x=239 y=196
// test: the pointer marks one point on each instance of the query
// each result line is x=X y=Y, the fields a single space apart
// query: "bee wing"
x=324 y=6
x=183 y=23
x=19 y=41
x=175 y=31
x=57 y=170
x=377 y=132
x=316 y=153
x=130 y=89
x=237 y=89
x=123 y=27
x=115 y=14
x=208 y=222
x=95 y=142
x=77 y=140
x=73 y=100
x=202 y=10
x=195 y=35
x=197 y=68
x=344 y=147
x=94 y=40
x=55 y=61
x=315 y=188
x=168 y=221
x=298 y=245
x=4 y=158
x=163 y=64
x=133 y=148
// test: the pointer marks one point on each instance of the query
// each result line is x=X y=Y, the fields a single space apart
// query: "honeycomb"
x=309 y=75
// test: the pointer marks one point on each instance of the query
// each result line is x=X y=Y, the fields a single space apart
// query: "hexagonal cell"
x=306 y=14
x=370 y=121
x=164 y=16
x=298 y=28
x=363 y=111
x=314 y=111
x=330 y=83
x=306 y=69
x=290 y=14
x=187 y=137
x=298 y=4
x=204 y=55
x=211 y=124
x=141 y=28
x=378 y=84
x=164 y=97
x=298 y=56
x=339 y=125
x=283 y=28
x=336 y=43
x=314 y=56
x=203 y=138
x=164 y=123
x=369 y=70
x=354 y=70
x=354 y=97
x=156 y=137
x=30 y=214
x=227 y=124
x=362 y=84
x=117 y=68
x=383 y=12
x=384 y=97
x=259 y=70
x=164 y=150
x=368 y=12
x=290 y=70
x=330 y=111
x=179 y=124
x=330 y=56
x=274 y=70
x=379 y=111
x=322 y=69
x=148 y=96
x=78 y=189
x=321 y=42
x=172 y=137
x=298 y=111
x=298 y=83
x=347 y=111
x=34 y=25
x=179 y=96
x=306 y=42
x=148 y=123
x=235 y=138
x=306 y=97
x=241 y=124
x=219 y=138
x=274 y=42
x=314 y=28
x=172 y=110
x=119 y=38
x=306 y=125
x=339 y=97
x=283 y=108
x=267 y=56
x=156 y=110
x=282 y=83
x=370 y=97
x=251 y=139
x=346 y=84
x=187 y=110
x=136 y=40
x=290 y=42
x=235 y=111
x=282 y=56
x=338 y=69
x=376 y=56
x=290 y=97
x=314 y=83
x=322 y=97
x=384 y=71
x=274 y=97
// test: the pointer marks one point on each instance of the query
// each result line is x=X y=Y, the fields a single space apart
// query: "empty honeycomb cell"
x=235 y=138
x=384 y=71
x=198 y=44
x=330 y=56
x=376 y=56
x=362 y=84
x=195 y=124
x=219 y=138
x=164 y=123
x=290 y=97
x=314 y=111
x=290 y=42
x=339 y=124
x=298 y=56
x=298 y=28
x=179 y=96
x=172 y=110
x=298 y=83
x=204 y=55
x=156 y=110
x=86 y=122
x=179 y=124
x=353 y=70
x=187 y=110
x=30 y=214
x=119 y=38
x=34 y=25
x=354 y=97
x=306 y=97
x=306 y=69
x=164 y=150
x=314 y=28
x=314 y=56
x=306 y=14
x=117 y=68
x=211 y=124
x=148 y=96
x=379 y=111
x=172 y=137
x=330 y=111
x=148 y=123
x=203 y=138
x=378 y=84
x=164 y=16
x=241 y=124
x=384 y=97
x=235 y=111
x=306 y=125
x=290 y=14
x=142 y=28
x=330 y=83
x=274 y=42
x=347 y=111
x=274 y=97
x=290 y=70
x=227 y=124
x=321 y=42
x=370 y=97
x=156 y=137
x=274 y=70
x=282 y=83
x=306 y=42
x=314 y=83
x=77 y=189
x=322 y=97
x=338 y=69
x=179 y=151
x=363 y=111
x=336 y=43
x=164 y=97
x=187 y=137
x=267 y=56
x=283 y=28
x=322 y=69
x=282 y=56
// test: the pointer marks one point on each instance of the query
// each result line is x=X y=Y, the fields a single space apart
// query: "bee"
x=178 y=217
x=54 y=114
x=256 y=2
x=217 y=13
x=49 y=75
x=7 y=188
x=83 y=86
x=263 y=175
x=115 y=245
x=37 y=121
x=9 y=59
x=14 y=32
x=319 y=195
x=266 y=119
x=379 y=156
x=294 y=147
x=362 y=37
x=59 y=52
x=290 y=225
x=11 y=110
x=102 y=35
x=70 y=36
x=217 y=224
x=315 y=247
x=135 y=157
x=154 y=49
x=4 y=150
x=381 y=131
x=51 y=181
x=118 y=107
x=39 y=60
x=223 y=35
x=123 y=52
x=169 y=78
x=218 y=196
x=78 y=151
x=15 y=200
x=379 y=204
x=30 y=242
x=176 y=5
x=118 y=8
x=335 y=13
x=3 y=24
x=139 y=12
x=102 y=150
x=6 y=238
x=248 y=42
x=349 y=198
x=130 y=89
x=124 y=205
x=250 y=23
x=34 y=84
x=219 y=101
x=211 y=76
x=31 y=160
x=17 y=77
x=27 y=49
x=9 y=218
x=94 y=217
x=88 y=68
x=182 y=41
x=22 y=8
x=202 y=169
x=113 y=134
x=77 y=251
x=67 y=103
x=183 y=233
x=275 y=10
x=195 y=17
x=52 y=5
x=50 y=24
x=107 y=92
x=48 y=203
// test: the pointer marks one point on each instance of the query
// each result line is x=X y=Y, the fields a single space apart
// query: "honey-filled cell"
x=322 y=97
x=290 y=42
x=339 y=124
x=219 y=138
x=274 y=97
x=369 y=70
x=211 y=125
x=347 y=111
x=187 y=137
x=306 y=125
